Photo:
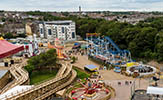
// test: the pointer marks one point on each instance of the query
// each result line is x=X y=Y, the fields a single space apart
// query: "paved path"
x=83 y=60
x=4 y=68
x=123 y=91
x=111 y=75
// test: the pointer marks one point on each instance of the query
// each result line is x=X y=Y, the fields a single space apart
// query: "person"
x=126 y=82
x=119 y=83
x=104 y=67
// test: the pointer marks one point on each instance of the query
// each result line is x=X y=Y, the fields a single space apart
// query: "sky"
x=87 y=5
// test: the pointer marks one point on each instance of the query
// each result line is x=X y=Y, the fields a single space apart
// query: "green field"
x=81 y=73
x=40 y=76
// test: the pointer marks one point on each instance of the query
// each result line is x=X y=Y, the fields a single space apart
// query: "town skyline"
x=87 y=5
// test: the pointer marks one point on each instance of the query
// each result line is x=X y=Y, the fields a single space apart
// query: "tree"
x=42 y=61
x=22 y=35
x=65 y=13
x=49 y=58
x=29 y=68
x=73 y=59
x=159 y=46
x=8 y=36
x=35 y=61
x=3 y=19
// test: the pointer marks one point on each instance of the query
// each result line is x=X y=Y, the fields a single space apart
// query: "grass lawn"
x=40 y=76
x=81 y=74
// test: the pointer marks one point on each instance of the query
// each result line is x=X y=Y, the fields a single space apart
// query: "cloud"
x=72 y=5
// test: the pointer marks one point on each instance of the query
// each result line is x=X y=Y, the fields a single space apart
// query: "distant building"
x=79 y=8
x=2 y=23
x=20 y=31
x=28 y=29
x=80 y=11
x=64 y=30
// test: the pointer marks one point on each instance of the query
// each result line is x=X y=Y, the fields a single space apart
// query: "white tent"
x=155 y=90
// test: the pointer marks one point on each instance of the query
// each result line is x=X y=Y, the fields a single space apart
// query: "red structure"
x=89 y=89
x=7 y=48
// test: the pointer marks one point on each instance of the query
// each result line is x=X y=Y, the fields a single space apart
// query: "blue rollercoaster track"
x=99 y=43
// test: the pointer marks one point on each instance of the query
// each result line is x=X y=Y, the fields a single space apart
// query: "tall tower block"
x=80 y=10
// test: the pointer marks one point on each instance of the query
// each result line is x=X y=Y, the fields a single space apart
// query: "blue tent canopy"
x=91 y=67
x=75 y=44
x=117 y=64
x=117 y=68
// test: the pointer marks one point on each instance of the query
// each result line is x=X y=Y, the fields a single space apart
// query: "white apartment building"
x=64 y=30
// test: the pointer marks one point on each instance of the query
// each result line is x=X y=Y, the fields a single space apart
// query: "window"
x=63 y=30
x=73 y=34
x=49 y=32
x=41 y=31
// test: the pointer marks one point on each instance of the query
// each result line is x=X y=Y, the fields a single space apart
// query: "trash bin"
x=6 y=64
x=12 y=61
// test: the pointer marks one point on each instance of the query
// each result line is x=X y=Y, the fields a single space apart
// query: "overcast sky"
x=87 y=5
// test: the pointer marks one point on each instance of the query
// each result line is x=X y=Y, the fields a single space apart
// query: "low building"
x=2 y=23
x=20 y=31
x=64 y=30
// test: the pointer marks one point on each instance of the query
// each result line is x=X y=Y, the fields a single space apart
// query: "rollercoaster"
x=103 y=48
x=42 y=91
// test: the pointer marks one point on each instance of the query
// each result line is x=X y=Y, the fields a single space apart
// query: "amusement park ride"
x=59 y=46
x=89 y=90
x=103 y=48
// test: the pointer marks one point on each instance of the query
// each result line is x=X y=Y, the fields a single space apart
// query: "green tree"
x=44 y=60
x=74 y=59
x=49 y=58
x=35 y=61
x=22 y=35
x=29 y=68
x=159 y=46
x=3 y=19
x=8 y=36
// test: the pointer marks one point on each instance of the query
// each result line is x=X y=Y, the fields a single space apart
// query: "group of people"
x=126 y=83
x=76 y=52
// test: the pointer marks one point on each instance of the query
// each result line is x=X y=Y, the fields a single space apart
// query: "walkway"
x=123 y=91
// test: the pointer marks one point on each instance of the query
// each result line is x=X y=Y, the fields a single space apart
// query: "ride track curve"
x=20 y=75
x=64 y=77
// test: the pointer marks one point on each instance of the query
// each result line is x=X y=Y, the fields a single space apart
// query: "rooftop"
x=91 y=67
x=58 y=22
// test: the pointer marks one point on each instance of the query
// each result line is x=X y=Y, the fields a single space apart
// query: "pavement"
x=4 y=68
x=83 y=60
x=123 y=91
